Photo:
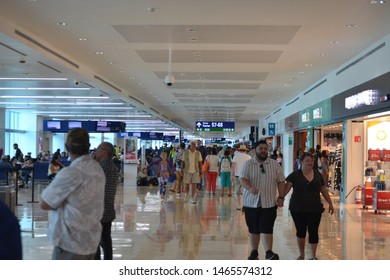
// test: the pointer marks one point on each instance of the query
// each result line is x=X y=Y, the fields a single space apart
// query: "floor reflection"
x=147 y=228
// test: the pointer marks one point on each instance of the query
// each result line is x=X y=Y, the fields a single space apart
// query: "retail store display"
x=376 y=191
x=337 y=168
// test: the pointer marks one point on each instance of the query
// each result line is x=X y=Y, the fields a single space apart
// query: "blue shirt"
x=10 y=239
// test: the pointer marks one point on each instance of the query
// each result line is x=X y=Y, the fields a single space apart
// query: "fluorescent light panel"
x=52 y=97
x=44 y=88
x=100 y=116
x=78 y=107
x=59 y=103
x=33 y=79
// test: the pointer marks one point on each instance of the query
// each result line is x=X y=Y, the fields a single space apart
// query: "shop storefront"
x=365 y=113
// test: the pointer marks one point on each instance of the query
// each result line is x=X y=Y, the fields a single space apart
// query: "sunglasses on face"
x=262 y=168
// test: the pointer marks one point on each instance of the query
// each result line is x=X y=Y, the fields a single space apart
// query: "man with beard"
x=262 y=179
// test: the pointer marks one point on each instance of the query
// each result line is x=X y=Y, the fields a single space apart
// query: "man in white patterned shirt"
x=75 y=200
x=262 y=179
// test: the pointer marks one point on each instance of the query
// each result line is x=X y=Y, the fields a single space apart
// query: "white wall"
x=373 y=66
x=353 y=155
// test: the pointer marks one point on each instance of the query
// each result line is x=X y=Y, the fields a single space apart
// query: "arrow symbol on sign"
x=198 y=124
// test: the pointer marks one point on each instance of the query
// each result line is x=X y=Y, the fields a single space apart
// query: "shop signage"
x=381 y=200
x=386 y=155
x=290 y=141
x=364 y=98
x=316 y=115
x=358 y=139
x=370 y=97
x=305 y=117
x=292 y=122
x=271 y=129
x=374 y=155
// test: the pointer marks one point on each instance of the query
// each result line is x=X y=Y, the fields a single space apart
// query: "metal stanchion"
x=33 y=189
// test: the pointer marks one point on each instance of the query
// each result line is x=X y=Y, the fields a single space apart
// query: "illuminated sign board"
x=317 y=113
x=365 y=98
x=305 y=117
x=214 y=126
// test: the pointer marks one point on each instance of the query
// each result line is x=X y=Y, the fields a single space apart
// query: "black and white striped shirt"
x=266 y=183
x=111 y=172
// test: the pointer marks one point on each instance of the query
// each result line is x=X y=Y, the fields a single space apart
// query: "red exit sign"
x=358 y=139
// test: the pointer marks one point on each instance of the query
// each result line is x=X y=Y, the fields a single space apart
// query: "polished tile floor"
x=147 y=229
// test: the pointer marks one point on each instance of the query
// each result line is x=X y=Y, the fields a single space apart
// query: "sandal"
x=314 y=259
x=300 y=258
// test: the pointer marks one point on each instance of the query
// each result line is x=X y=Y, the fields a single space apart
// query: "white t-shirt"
x=240 y=158
x=213 y=161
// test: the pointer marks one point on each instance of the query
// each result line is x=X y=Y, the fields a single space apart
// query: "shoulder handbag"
x=205 y=167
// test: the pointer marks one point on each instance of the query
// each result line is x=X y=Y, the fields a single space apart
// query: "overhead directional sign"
x=214 y=126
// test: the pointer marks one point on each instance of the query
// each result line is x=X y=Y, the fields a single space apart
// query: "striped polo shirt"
x=267 y=182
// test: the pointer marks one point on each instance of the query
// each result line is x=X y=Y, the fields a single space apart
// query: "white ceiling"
x=232 y=60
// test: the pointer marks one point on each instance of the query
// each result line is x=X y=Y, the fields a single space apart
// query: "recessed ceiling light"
x=351 y=25
x=151 y=9
x=193 y=39
x=82 y=39
x=112 y=62
x=99 y=53
x=335 y=42
x=61 y=23
x=123 y=71
x=321 y=54
x=197 y=54
x=308 y=65
x=374 y=2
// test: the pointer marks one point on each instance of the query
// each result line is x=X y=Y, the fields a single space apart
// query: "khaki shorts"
x=237 y=186
x=192 y=178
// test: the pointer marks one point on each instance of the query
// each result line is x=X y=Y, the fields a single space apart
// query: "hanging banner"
x=130 y=150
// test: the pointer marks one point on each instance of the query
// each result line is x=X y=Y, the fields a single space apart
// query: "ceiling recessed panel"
x=208 y=34
x=215 y=96
x=210 y=56
x=212 y=100
x=237 y=76
x=234 y=86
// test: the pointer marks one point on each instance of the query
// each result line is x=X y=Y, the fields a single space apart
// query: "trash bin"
x=8 y=196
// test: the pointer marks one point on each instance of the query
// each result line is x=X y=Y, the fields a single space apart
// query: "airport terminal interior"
x=149 y=75
x=146 y=229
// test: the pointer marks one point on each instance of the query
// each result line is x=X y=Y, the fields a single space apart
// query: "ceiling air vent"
x=48 y=66
x=316 y=86
x=107 y=83
x=277 y=111
x=291 y=102
x=136 y=99
x=361 y=58
x=12 y=49
x=35 y=42
x=157 y=112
